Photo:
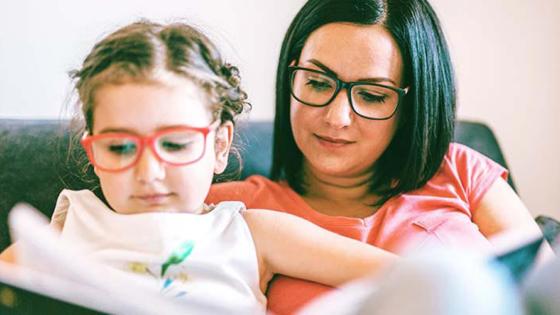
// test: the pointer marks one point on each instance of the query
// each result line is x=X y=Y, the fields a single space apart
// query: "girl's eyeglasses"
x=116 y=152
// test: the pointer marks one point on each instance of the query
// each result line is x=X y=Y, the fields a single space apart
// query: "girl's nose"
x=149 y=168
x=339 y=112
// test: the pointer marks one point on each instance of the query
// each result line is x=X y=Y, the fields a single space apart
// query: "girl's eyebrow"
x=332 y=73
x=134 y=132
x=117 y=130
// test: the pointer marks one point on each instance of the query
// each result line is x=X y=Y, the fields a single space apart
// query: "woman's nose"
x=339 y=112
x=149 y=168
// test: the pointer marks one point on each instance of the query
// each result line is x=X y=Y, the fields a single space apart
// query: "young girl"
x=159 y=107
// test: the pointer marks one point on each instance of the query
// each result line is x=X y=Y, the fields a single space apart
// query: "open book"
x=518 y=252
x=49 y=271
x=57 y=276
x=439 y=281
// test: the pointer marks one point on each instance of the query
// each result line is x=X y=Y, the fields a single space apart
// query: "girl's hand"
x=8 y=255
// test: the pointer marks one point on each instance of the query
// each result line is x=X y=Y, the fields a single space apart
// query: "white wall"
x=507 y=58
x=506 y=52
x=42 y=40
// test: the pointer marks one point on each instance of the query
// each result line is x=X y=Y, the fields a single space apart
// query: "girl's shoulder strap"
x=229 y=207
x=72 y=198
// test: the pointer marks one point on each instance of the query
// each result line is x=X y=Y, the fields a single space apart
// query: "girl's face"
x=334 y=140
x=142 y=109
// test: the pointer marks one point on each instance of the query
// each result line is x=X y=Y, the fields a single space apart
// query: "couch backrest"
x=35 y=164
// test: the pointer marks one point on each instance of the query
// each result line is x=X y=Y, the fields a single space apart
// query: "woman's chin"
x=337 y=168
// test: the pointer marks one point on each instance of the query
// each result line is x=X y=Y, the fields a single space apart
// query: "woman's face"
x=334 y=140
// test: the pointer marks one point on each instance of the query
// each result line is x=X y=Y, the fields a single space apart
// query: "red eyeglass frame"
x=143 y=142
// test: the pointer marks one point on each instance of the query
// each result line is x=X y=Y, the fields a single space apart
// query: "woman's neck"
x=339 y=195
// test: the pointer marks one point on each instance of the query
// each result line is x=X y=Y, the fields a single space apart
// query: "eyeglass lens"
x=177 y=147
x=317 y=89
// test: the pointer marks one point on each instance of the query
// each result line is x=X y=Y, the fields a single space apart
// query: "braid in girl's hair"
x=234 y=98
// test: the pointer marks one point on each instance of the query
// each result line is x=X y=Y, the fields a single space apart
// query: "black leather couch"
x=35 y=164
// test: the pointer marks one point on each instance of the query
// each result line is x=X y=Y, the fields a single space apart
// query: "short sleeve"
x=477 y=172
x=243 y=191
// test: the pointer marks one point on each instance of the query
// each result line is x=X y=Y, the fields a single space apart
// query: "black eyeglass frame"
x=340 y=84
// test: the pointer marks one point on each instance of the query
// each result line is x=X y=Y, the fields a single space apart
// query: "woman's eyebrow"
x=332 y=73
x=378 y=80
x=323 y=67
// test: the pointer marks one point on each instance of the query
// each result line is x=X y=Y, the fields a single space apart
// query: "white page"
x=60 y=271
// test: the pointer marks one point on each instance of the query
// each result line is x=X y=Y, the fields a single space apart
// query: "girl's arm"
x=292 y=246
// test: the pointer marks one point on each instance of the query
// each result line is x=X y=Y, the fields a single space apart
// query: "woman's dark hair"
x=427 y=111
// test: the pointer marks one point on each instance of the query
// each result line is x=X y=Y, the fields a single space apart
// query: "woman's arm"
x=292 y=246
x=501 y=211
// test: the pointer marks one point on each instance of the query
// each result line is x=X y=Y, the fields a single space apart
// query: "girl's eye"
x=126 y=148
x=318 y=84
x=181 y=142
x=171 y=146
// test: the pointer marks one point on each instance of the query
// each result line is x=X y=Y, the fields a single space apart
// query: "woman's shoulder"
x=469 y=172
x=254 y=182
x=465 y=159
x=458 y=150
x=255 y=191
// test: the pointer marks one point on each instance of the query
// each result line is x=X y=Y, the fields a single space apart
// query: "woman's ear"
x=224 y=137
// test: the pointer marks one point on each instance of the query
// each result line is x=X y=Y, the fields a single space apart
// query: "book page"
x=48 y=267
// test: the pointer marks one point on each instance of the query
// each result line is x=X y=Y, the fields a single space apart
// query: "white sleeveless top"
x=208 y=259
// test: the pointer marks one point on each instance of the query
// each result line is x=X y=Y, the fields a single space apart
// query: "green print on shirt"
x=178 y=256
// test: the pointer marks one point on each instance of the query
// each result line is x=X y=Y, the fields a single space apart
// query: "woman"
x=365 y=105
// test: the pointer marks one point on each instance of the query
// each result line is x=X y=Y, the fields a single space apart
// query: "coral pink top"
x=440 y=213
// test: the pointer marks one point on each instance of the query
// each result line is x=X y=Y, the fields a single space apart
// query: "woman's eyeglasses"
x=368 y=100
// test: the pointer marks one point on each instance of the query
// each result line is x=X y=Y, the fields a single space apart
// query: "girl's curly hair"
x=142 y=50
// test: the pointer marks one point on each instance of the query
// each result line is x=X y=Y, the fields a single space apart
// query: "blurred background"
x=506 y=54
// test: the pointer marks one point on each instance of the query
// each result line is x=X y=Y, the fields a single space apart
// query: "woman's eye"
x=371 y=98
x=319 y=85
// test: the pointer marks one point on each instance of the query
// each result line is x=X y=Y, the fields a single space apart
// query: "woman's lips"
x=331 y=142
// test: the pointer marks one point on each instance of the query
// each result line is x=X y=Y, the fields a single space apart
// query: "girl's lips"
x=332 y=142
x=153 y=199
